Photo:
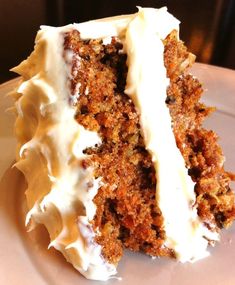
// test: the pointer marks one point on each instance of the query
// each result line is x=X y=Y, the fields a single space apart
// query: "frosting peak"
x=50 y=146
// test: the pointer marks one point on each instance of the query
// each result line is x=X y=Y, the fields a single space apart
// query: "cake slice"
x=111 y=143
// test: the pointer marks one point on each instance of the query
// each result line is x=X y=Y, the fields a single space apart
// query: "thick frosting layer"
x=147 y=86
x=51 y=142
x=50 y=154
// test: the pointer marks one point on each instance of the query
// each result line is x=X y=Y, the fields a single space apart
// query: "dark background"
x=208 y=27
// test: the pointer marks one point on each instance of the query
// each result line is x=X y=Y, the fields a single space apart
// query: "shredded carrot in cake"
x=127 y=214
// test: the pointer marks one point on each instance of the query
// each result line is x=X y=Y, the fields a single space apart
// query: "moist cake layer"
x=127 y=213
x=85 y=134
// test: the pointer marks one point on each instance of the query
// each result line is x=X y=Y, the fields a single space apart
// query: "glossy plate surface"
x=24 y=258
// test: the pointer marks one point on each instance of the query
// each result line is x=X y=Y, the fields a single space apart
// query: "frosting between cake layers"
x=142 y=35
x=51 y=142
x=147 y=84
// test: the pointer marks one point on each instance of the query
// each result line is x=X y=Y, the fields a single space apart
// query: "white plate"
x=24 y=258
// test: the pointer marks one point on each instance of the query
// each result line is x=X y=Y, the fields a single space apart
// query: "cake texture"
x=111 y=143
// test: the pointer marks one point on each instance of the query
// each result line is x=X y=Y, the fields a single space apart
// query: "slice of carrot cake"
x=111 y=143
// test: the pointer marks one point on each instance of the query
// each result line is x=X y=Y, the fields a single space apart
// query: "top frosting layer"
x=51 y=142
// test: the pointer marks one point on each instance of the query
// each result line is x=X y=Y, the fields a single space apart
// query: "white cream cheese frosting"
x=147 y=86
x=51 y=143
x=50 y=154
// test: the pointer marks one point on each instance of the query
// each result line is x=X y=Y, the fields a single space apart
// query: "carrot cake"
x=111 y=143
